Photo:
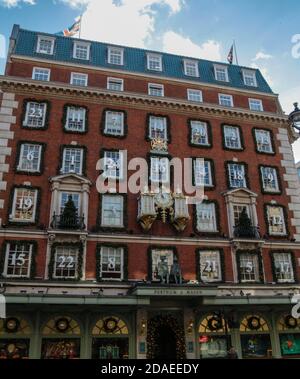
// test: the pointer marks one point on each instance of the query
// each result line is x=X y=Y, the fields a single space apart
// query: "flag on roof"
x=72 y=30
x=230 y=55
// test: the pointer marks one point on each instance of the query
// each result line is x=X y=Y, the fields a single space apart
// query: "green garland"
x=209 y=134
x=279 y=192
x=103 y=122
x=293 y=260
x=217 y=210
x=260 y=266
x=79 y=260
x=222 y=264
x=23 y=115
x=152 y=335
x=84 y=157
x=227 y=163
x=98 y=260
x=285 y=218
x=148 y=139
x=32 y=271
x=41 y=168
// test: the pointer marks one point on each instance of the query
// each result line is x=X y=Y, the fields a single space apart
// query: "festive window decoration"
x=14 y=325
x=66 y=261
x=237 y=174
x=35 y=114
x=12 y=348
x=232 y=137
x=61 y=324
x=283 y=266
x=249 y=265
x=60 y=348
x=288 y=323
x=111 y=325
x=159 y=169
x=112 y=211
x=154 y=326
x=276 y=220
x=114 y=123
x=24 y=205
x=200 y=133
x=72 y=159
x=112 y=262
x=203 y=173
x=75 y=119
x=30 y=158
x=269 y=179
x=254 y=322
x=210 y=265
x=206 y=217
x=158 y=127
x=212 y=324
x=264 y=141
x=11 y=325
x=113 y=164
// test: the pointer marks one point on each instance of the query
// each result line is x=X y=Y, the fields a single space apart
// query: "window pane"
x=210 y=266
x=154 y=63
x=72 y=160
x=159 y=170
x=115 y=56
x=115 y=84
x=249 y=269
x=30 y=156
x=114 y=123
x=283 y=267
x=276 y=220
x=237 y=176
x=199 y=133
x=45 y=46
x=35 y=115
x=155 y=90
x=111 y=263
x=75 y=119
x=206 y=217
x=269 y=178
x=81 y=51
x=112 y=211
x=195 y=95
x=66 y=262
x=263 y=141
x=226 y=100
x=232 y=137
x=113 y=164
x=18 y=260
x=41 y=74
x=79 y=80
x=162 y=261
x=202 y=172
x=158 y=128
x=24 y=205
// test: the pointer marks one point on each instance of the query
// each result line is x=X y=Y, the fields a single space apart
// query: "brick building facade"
x=116 y=279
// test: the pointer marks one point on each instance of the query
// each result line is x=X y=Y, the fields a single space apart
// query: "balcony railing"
x=67 y=223
x=249 y=232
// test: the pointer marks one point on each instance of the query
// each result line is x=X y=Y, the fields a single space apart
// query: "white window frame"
x=73 y=194
x=206 y=263
x=81 y=74
x=202 y=125
x=107 y=113
x=64 y=158
x=153 y=127
x=243 y=171
x=22 y=147
x=12 y=216
x=229 y=97
x=121 y=161
x=157 y=57
x=255 y=269
x=194 y=92
x=46 y=38
x=56 y=253
x=121 y=203
x=187 y=62
x=155 y=258
x=110 y=53
x=265 y=133
x=258 y=101
x=163 y=178
x=281 y=256
x=116 y=249
x=283 y=221
x=227 y=129
x=275 y=178
x=5 y=268
x=25 y=122
x=237 y=208
x=157 y=87
x=252 y=73
x=210 y=214
x=69 y=109
x=115 y=80
x=44 y=69
x=87 y=45
x=221 y=67
x=197 y=165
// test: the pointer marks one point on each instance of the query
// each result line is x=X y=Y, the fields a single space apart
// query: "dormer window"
x=154 y=62
x=221 y=73
x=45 y=45
x=191 y=68
x=249 y=77
x=116 y=56
x=81 y=50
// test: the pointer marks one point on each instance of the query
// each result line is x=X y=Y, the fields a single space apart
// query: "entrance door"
x=166 y=343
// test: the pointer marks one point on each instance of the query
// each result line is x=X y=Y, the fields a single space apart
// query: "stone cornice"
x=139 y=101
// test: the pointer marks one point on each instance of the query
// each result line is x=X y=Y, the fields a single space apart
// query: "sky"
x=266 y=32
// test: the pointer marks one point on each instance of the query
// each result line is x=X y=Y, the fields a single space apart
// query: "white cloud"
x=177 y=44
x=288 y=98
x=265 y=72
x=14 y=3
x=261 y=55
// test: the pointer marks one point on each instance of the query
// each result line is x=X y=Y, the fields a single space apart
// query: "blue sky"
x=262 y=29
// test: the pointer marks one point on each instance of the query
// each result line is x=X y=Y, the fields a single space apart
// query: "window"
x=42 y=74
x=155 y=90
x=250 y=78
x=114 y=123
x=64 y=197
x=283 y=267
x=225 y=100
x=35 y=115
x=81 y=50
x=210 y=266
x=195 y=95
x=221 y=73
x=18 y=258
x=276 y=220
x=45 y=45
x=256 y=105
x=158 y=128
x=154 y=62
x=202 y=173
x=24 y=205
x=237 y=210
x=199 y=133
x=115 y=84
x=249 y=267
x=206 y=217
x=237 y=175
x=115 y=56
x=66 y=262
x=232 y=137
x=112 y=211
x=191 y=68
x=160 y=259
x=113 y=164
x=30 y=157
x=263 y=141
x=111 y=263
x=269 y=179
x=72 y=160
x=76 y=119
x=159 y=170
x=80 y=80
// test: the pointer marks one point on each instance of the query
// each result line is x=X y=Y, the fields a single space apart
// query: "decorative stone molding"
x=7 y=107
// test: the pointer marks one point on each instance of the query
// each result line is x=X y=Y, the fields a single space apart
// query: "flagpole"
x=80 y=26
x=236 y=56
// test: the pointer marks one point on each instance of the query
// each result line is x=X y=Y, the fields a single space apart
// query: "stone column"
x=190 y=333
x=141 y=333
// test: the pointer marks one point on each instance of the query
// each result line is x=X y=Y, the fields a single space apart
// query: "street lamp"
x=294 y=118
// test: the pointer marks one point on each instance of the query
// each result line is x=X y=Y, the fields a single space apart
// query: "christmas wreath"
x=62 y=324
x=110 y=324
x=215 y=323
x=290 y=322
x=12 y=325
x=253 y=323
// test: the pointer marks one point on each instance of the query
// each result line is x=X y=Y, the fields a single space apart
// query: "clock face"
x=163 y=199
